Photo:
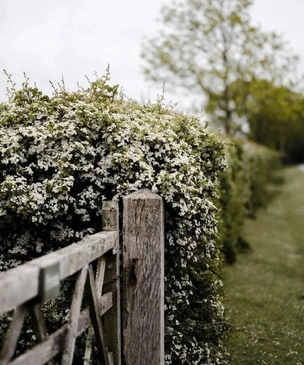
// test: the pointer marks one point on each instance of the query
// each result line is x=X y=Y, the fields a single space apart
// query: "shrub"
x=62 y=156
x=264 y=164
x=243 y=190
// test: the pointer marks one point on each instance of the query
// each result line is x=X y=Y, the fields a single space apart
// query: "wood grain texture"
x=12 y=335
x=49 y=282
x=39 y=326
x=69 y=345
x=42 y=353
x=39 y=280
x=143 y=283
x=22 y=283
x=112 y=319
x=96 y=318
x=18 y=286
x=99 y=277
x=74 y=257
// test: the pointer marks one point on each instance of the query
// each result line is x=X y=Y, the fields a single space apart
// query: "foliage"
x=204 y=46
x=275 y=117
x=235 y=194
x=273 y=114
x=243 y=190
x=61 y=156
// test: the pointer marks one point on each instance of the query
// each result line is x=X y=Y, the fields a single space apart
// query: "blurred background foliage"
x=246 y=79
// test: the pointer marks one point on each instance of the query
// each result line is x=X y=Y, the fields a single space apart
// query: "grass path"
x=265 y=289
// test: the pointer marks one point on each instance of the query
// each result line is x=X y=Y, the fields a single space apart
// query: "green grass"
x=265 y=289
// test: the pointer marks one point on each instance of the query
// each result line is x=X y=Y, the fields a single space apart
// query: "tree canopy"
x=206 y=46
x=275 y=115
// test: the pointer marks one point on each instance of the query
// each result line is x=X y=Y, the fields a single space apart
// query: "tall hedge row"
x=251 y=168
x=62 y=156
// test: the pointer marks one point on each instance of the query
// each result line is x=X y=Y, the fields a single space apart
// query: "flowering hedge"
x=251 y=168
x=62 y=156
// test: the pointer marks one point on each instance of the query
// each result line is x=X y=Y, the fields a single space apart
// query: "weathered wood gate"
x=125 y=318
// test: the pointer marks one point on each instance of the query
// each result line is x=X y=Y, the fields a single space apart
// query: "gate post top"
x=143 y=194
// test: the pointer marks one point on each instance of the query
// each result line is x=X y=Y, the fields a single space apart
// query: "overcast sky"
x=46 y=39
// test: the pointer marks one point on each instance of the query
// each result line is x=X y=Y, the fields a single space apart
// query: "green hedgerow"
x=251 y=168
x=61 y=156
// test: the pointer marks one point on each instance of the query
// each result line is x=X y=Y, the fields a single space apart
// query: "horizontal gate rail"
x=26 y=287
x=22 y=283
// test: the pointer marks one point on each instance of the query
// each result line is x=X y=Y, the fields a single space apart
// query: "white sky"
x=46 y=39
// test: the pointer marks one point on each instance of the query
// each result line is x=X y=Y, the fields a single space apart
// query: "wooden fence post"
x=112 y=319
x=143 y=279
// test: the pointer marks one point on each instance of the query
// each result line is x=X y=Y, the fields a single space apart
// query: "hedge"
x=61 y=156
x=251 y=168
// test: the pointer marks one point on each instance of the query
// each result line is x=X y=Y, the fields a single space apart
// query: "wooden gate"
x=125 y=318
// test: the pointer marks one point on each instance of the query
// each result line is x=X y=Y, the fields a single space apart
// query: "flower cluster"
x=62 y=156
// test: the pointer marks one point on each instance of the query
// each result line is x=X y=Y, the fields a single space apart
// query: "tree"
x=269 y=111
x=206 y=45
x=275 y=115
